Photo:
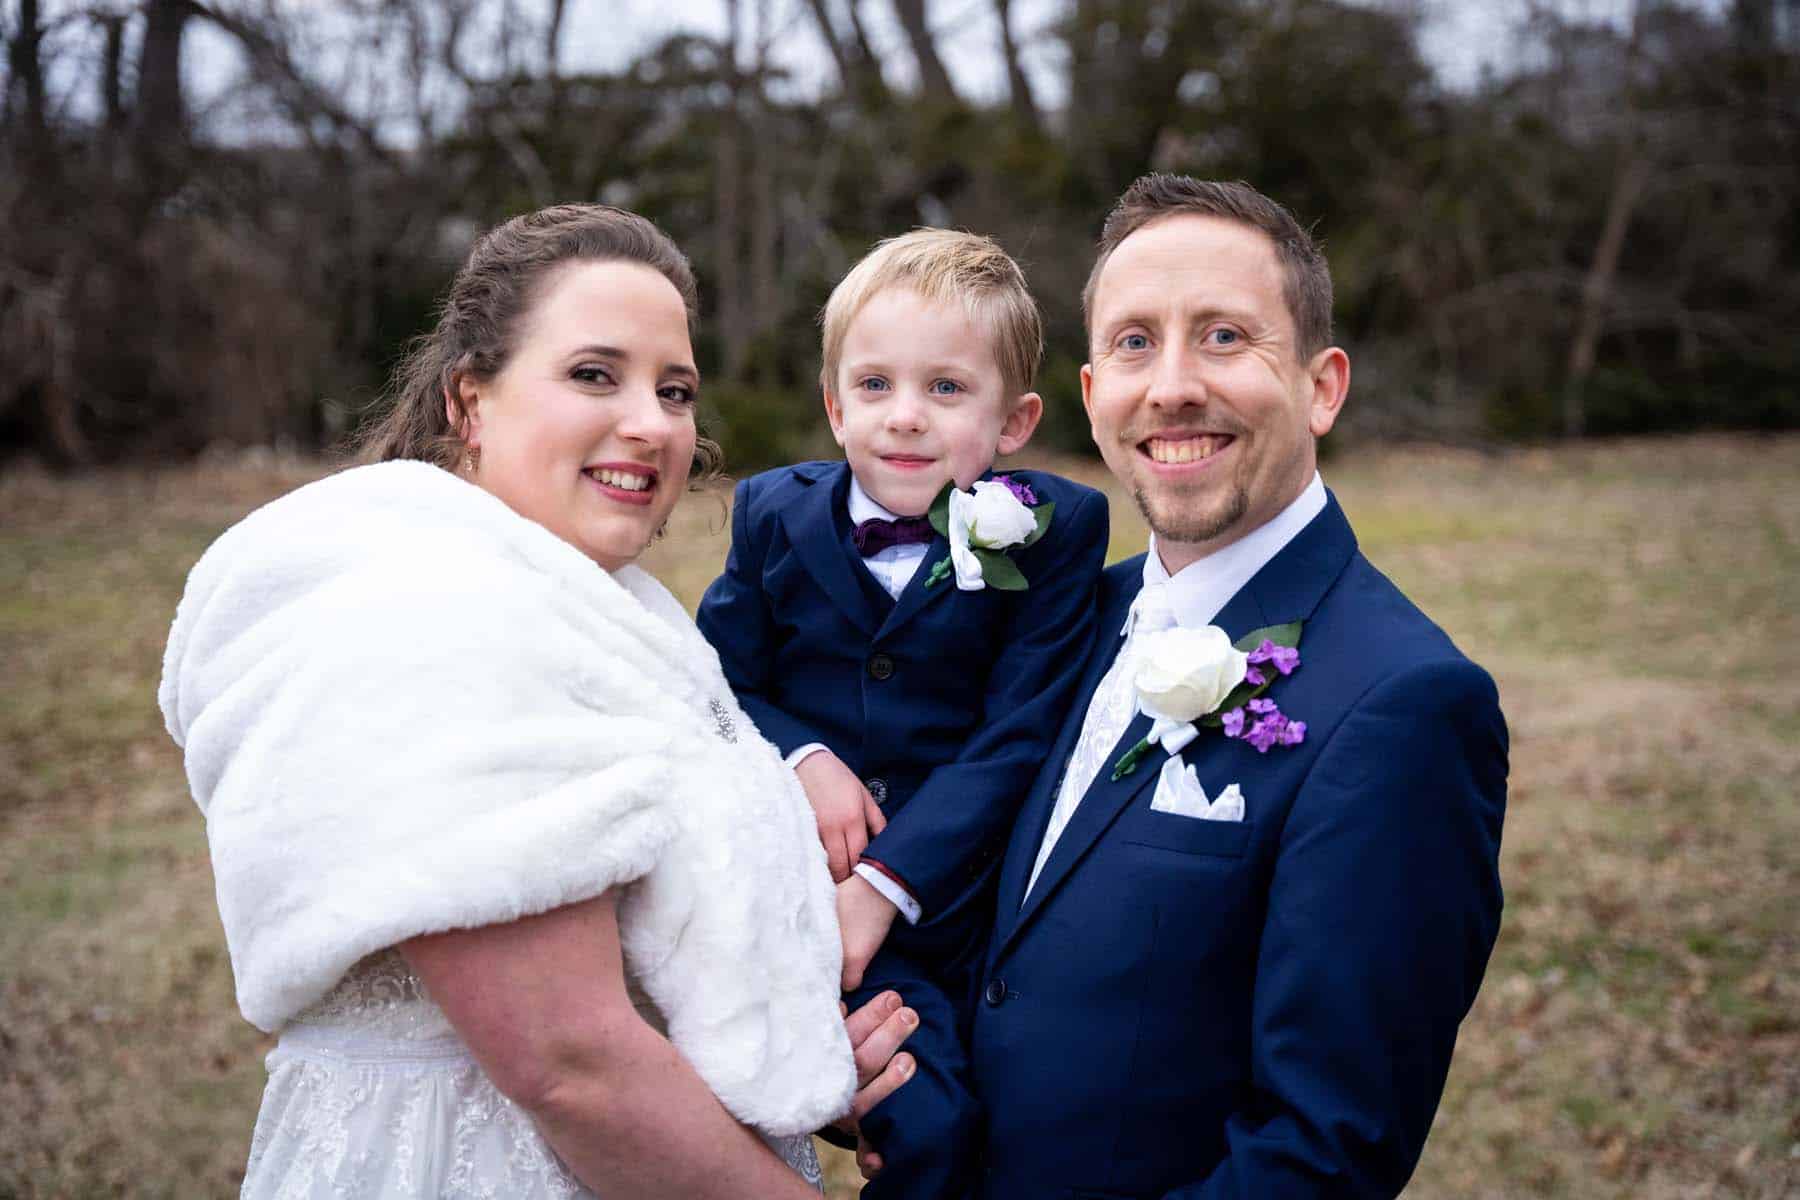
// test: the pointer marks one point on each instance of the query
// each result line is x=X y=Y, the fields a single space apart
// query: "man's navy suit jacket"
x=1266 y=1009
x=943 y=701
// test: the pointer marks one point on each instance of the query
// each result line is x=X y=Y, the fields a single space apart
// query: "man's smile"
x=1182 y=449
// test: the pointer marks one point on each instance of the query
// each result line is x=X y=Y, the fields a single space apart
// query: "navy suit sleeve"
x=959 y=818
x=1383 y=907
x=734 y=616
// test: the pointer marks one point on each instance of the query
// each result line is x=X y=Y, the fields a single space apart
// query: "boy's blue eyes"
x=939 y=387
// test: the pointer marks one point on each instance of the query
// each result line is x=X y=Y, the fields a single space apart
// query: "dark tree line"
x=1603 y=237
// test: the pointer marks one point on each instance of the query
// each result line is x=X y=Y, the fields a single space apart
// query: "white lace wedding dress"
x=372 y=1094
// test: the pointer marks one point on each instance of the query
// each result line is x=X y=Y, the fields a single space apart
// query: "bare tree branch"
x=1024 y=104
x=934 y=81
x=553 y=40
x=304 y=101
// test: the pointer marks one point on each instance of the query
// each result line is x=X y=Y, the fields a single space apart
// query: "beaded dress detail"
x=371 y=1093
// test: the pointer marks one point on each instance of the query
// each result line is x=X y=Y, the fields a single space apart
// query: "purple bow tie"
x=878 y=534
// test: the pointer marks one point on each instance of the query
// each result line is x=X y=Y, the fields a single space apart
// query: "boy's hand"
x=864 y=917
x=847 y=815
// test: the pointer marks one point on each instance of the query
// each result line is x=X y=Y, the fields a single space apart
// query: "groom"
x=1240 y=973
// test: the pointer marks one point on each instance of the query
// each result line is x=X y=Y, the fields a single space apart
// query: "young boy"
x=915 y=690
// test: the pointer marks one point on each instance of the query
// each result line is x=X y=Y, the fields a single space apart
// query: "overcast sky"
x=1459 y=38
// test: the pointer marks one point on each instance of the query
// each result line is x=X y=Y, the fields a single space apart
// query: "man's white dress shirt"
x=893 y=569
x=1189 y=599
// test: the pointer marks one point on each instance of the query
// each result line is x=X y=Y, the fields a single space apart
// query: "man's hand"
x=847 y=815
x=864 y=918
x=876 y=1031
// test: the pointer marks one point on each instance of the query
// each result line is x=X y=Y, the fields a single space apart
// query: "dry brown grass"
x=1639 y=1033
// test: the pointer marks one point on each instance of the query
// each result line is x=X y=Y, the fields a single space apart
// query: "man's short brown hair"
x=1306 y=278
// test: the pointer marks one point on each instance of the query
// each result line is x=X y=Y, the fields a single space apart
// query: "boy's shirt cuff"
x=801 y=753
x=878 y=876
x=884 y=881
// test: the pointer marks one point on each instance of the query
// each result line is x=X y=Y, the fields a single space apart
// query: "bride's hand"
x=876 y=1031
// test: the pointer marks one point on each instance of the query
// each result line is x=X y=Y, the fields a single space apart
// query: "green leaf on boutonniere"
x=939 y=512
x=1282 y=635
x=1041 y=514
x=998 y=571
x=940 y=571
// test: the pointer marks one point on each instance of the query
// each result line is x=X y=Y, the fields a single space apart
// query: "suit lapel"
x=1290 y=585
x=1105 y=799
x=1034 y=816
x=915 y=595
x=812 y=529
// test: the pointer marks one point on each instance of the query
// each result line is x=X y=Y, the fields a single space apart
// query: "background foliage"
x=1601 y=237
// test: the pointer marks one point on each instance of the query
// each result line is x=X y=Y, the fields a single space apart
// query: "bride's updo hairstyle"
x=478 y=326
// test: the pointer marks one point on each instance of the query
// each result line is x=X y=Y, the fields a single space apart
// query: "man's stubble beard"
x=1195 y=528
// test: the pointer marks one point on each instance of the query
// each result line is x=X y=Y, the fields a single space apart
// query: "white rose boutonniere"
x=994 y=516
x=1186 y=678
x=1183 y=674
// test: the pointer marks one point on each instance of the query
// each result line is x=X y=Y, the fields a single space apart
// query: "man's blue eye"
x=1225 y=337
x=1133 y=341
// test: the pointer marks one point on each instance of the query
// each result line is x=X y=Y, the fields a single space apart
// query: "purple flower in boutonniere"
x=1269 y=729
x=1221 y=687
x=1283 y=658
x=1019 y=488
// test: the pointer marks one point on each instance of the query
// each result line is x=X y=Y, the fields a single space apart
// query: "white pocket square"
x=1178 y=792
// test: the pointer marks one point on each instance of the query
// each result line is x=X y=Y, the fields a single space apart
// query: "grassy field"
x=1638 y=1035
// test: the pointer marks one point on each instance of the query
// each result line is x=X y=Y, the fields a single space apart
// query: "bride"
x=534 y=909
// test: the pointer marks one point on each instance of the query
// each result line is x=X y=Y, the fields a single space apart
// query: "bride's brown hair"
x=477 y=326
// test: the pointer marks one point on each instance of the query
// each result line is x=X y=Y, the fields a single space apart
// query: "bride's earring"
x=470 y=460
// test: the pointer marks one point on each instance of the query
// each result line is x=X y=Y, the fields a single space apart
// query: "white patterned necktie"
x=1108 y=713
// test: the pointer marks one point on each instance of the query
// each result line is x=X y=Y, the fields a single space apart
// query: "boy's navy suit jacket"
x=1209 y=1009
x=944 y=701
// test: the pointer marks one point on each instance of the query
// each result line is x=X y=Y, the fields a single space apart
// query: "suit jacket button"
x=995 y=994
x=881 y=667
x=877 y=790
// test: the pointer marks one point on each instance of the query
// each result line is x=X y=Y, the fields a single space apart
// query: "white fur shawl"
x=407 y=709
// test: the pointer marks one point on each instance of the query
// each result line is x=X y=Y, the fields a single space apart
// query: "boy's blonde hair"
x=944 y=266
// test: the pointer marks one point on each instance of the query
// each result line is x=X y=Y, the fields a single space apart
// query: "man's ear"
x=834 y=413
x=1087 y=399
x=1329 y=371
x=1021 y=422
x=462 y=408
